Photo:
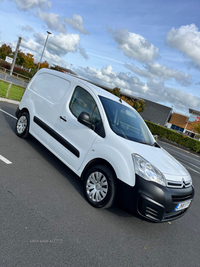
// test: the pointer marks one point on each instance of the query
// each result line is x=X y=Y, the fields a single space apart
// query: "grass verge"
x=15 y=93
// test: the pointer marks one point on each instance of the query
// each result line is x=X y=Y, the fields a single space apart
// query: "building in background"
x=156 y=113
x=183 y=123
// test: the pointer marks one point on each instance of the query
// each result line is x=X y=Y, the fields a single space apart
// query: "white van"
x=106 y=143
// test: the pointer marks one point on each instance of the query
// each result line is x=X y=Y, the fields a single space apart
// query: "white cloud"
x=159 y=72
x=76 y=23
x=141 y=72
x=107 y=77
x=53 y=21
x=29 y=4
x=55 y=59
x=30 y=44
x=27 y=28
x=187 y=40
x=134 y=45
x=83 y=52
x=165 y=73
x=154 y=89
x=108 y=71
x=57 y=45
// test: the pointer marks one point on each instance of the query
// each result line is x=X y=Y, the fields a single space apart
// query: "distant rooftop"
x=156 y=112
x=195 y=112
x=65 y=69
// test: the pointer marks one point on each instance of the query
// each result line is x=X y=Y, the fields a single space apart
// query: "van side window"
x=50 y=87
x=83 y=101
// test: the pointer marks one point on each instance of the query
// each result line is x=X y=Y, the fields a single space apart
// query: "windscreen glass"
x=126 y=122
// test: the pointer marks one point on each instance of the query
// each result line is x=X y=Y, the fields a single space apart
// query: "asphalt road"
x=45 y=220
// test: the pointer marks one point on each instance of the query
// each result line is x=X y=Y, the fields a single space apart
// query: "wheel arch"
x=94 y=162
x=20 y=111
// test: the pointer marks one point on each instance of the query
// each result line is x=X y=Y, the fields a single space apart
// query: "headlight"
x=147 y=171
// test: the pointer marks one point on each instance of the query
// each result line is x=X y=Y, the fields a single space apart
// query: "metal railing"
x=16 y=78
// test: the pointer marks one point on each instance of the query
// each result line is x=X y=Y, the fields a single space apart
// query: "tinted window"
x=82 y=101
x=126 y=122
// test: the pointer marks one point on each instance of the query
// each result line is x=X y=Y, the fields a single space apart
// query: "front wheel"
x=100 y=186
x=22 y=125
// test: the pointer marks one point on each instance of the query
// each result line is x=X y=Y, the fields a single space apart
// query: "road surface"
x=45 y=220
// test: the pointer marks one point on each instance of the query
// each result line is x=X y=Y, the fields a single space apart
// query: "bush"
x=22 y=72
x=18 y=70
x=173 y=136
x=5 y=64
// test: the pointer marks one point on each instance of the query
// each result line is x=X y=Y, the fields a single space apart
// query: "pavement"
x=9 y=101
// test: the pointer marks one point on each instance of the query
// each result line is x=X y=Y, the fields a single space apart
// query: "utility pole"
x=15 y=56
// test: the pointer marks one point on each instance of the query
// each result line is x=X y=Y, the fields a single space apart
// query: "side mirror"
x=84 y=118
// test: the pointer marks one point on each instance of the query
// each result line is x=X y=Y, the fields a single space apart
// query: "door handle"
x=63 y=118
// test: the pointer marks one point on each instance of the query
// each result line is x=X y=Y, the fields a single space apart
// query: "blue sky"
x=150 y=49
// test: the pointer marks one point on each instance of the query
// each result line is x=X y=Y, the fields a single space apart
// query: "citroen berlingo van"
x=105 y=142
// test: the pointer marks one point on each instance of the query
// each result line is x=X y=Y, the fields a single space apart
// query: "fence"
x=15 y=78
x=11 y=90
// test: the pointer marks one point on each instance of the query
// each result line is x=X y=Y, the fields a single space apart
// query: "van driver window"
x=83 y=101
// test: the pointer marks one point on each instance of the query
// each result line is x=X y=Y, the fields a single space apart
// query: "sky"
x=148 y=48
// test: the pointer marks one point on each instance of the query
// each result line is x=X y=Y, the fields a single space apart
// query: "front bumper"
x=154 y=201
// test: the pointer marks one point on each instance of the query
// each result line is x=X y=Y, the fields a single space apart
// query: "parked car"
x=105 y=142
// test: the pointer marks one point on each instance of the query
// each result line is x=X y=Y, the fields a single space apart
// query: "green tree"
x=116 y=91
x=196 y=128
x=29 y=61
x=20 y=58
x=44 y=64
x=138 y=105
x=34 y=70
x=5 y=50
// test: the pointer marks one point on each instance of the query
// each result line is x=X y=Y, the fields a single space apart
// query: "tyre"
x=22 y=125
x=100 y=186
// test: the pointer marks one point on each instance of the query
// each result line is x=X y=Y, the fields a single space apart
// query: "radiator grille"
x=181 y=184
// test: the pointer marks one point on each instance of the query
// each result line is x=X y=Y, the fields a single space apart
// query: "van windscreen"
x=126 y=122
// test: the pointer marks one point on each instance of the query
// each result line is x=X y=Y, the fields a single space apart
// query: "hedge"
x=18 y=70
x=173 y=136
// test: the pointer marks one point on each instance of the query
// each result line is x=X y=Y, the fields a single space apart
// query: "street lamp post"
x=43 y=49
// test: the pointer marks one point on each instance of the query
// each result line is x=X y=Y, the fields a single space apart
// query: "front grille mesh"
x=181 y=184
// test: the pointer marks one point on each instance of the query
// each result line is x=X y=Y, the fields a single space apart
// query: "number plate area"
x=182 y=205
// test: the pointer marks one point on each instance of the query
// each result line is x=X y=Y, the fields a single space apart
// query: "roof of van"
x=95 y=89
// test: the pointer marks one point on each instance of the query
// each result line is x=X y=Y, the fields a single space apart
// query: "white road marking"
x=189 y=168
x=5 y=160
x=188 y=163
x=8 y=114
